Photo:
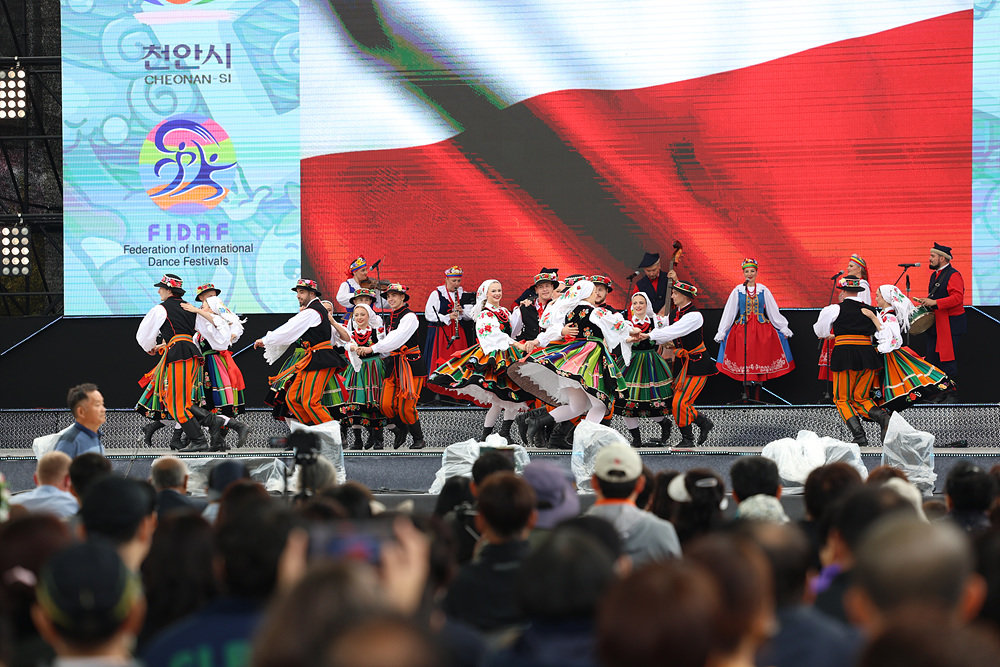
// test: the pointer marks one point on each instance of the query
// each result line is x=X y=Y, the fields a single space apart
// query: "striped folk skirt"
x=648 y=386
x=908 y=378
x=481 y=376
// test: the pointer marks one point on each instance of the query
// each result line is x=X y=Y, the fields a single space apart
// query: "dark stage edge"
x=739 y=431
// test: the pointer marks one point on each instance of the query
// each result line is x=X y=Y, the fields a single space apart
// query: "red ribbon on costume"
x=303 y=362
x=148 y=377
x=685 y=356
x=405 y=385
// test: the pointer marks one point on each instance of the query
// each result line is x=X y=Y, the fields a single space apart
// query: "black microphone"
x=839 y=273
x=909 y=266
x=631 y=275
x=746 y=282
x=375 y=265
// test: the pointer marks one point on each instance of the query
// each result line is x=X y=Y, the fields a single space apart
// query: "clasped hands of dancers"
x=561 y=355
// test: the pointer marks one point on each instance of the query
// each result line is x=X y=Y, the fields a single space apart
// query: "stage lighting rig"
x=15 y=258
x=13 y=93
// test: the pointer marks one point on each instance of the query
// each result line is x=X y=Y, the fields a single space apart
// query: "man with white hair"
x=51 y=493
x=169 y=477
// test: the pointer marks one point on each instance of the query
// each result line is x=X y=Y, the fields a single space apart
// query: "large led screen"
x=504 y=136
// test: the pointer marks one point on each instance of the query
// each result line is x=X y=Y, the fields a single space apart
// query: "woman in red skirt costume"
x=753 y=334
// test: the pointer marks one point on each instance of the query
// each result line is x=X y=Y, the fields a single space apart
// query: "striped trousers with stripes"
x=304 y=398
x=686 y=390
x=852 y=392
x=177 y=386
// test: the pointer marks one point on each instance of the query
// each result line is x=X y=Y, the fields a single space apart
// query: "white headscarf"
x=650 y=315
x=481 y=295
x=902 y=305
x=556 y=312
x=371 y=315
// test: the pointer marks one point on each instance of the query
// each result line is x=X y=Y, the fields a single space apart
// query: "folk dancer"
x=406 y=370
x=311 y=330
x=945 y=296
x=357 y=276
x=905 y=377
x=653 y=282
x=222 y=380
x=752 y=326
x=357 y=401
x=480 y=372
x=857 y=267
x=531 y=306
x=692 y=365
x=445 y=313
x=172 y=387
x=648 y=378
x=854 y=362
x=368 y=297
x=574 y=368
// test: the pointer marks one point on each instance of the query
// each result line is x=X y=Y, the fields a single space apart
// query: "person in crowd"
x=692 y=363
x=89 y=605
x=249 y=543
x=969 y=492
x=945 y=297
x=220 y=477
x=616 y=481
x=700 y=495
x=844 y=528
x=482 y=593
x=169 y=477
x=123 y=512
x=555 y=494
x=175 y=577
x=987 y=548
x=480 y=372
x=745 y=582
x=559 y=587
x=648 y=379
x=660 y=502
x=444 y=313
x=454 y=493
x=667 y=608
x=51 y=493
x=462 y=518
x=753 y=334
x=376 y=640
x=757 y=489
x=854 y=362
x=918 y=639
x=804 y=636
x=241 y=495
x=27 y=544
x=883 y=473
x=354 y=497
x=309 y=376
x=823 y=487
x=906 y=563
x=573 y=367
x=86 y=403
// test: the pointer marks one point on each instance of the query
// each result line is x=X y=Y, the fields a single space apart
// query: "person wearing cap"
x=534 y=300
x=172 y=388
x=854 y=361
x=444 y=313
x=653 y=282
x=406 y=369
x=311 y=330
x=905 y=376
x=857 y=267
x=574 y=368
x=224 y=384
x=121 y=511
x=753 y=334
x=357 y=399
x=945 y=296
x=617 y=480
x=480 y=372
x=357 y=277
x=89 y=607
x=692 y=363
x=648 y=378
x=555 y=497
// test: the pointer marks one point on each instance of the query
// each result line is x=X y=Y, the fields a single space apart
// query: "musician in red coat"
x=945 y=296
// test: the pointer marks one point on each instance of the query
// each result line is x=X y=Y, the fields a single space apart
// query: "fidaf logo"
x=187 y=164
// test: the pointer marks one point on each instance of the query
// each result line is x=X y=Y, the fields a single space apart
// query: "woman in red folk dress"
x=753 y=334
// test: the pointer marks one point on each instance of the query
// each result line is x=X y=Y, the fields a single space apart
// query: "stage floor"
x=739 y=431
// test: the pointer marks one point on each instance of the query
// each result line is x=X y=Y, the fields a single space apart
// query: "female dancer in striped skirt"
x=648 y=380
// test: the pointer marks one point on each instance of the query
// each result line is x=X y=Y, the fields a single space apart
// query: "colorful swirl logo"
x=186 y=164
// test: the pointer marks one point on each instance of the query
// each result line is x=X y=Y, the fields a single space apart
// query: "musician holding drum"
x=945 y=298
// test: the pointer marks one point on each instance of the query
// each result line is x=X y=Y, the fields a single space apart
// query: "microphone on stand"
x=631 y=275
x=746 y=282
x=909 y=266
x=375 y=265
x=839 y=273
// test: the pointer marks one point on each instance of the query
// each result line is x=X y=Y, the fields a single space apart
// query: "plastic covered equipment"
x=798 y=457
x=911 y=451
x=457 y=459
x=588 y=439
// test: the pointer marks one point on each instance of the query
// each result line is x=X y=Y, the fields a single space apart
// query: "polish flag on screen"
x=504 y=137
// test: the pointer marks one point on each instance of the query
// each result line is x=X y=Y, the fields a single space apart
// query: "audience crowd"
x=510 y=569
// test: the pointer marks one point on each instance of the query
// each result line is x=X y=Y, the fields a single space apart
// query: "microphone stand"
x=628 y=293
x=901 y=274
